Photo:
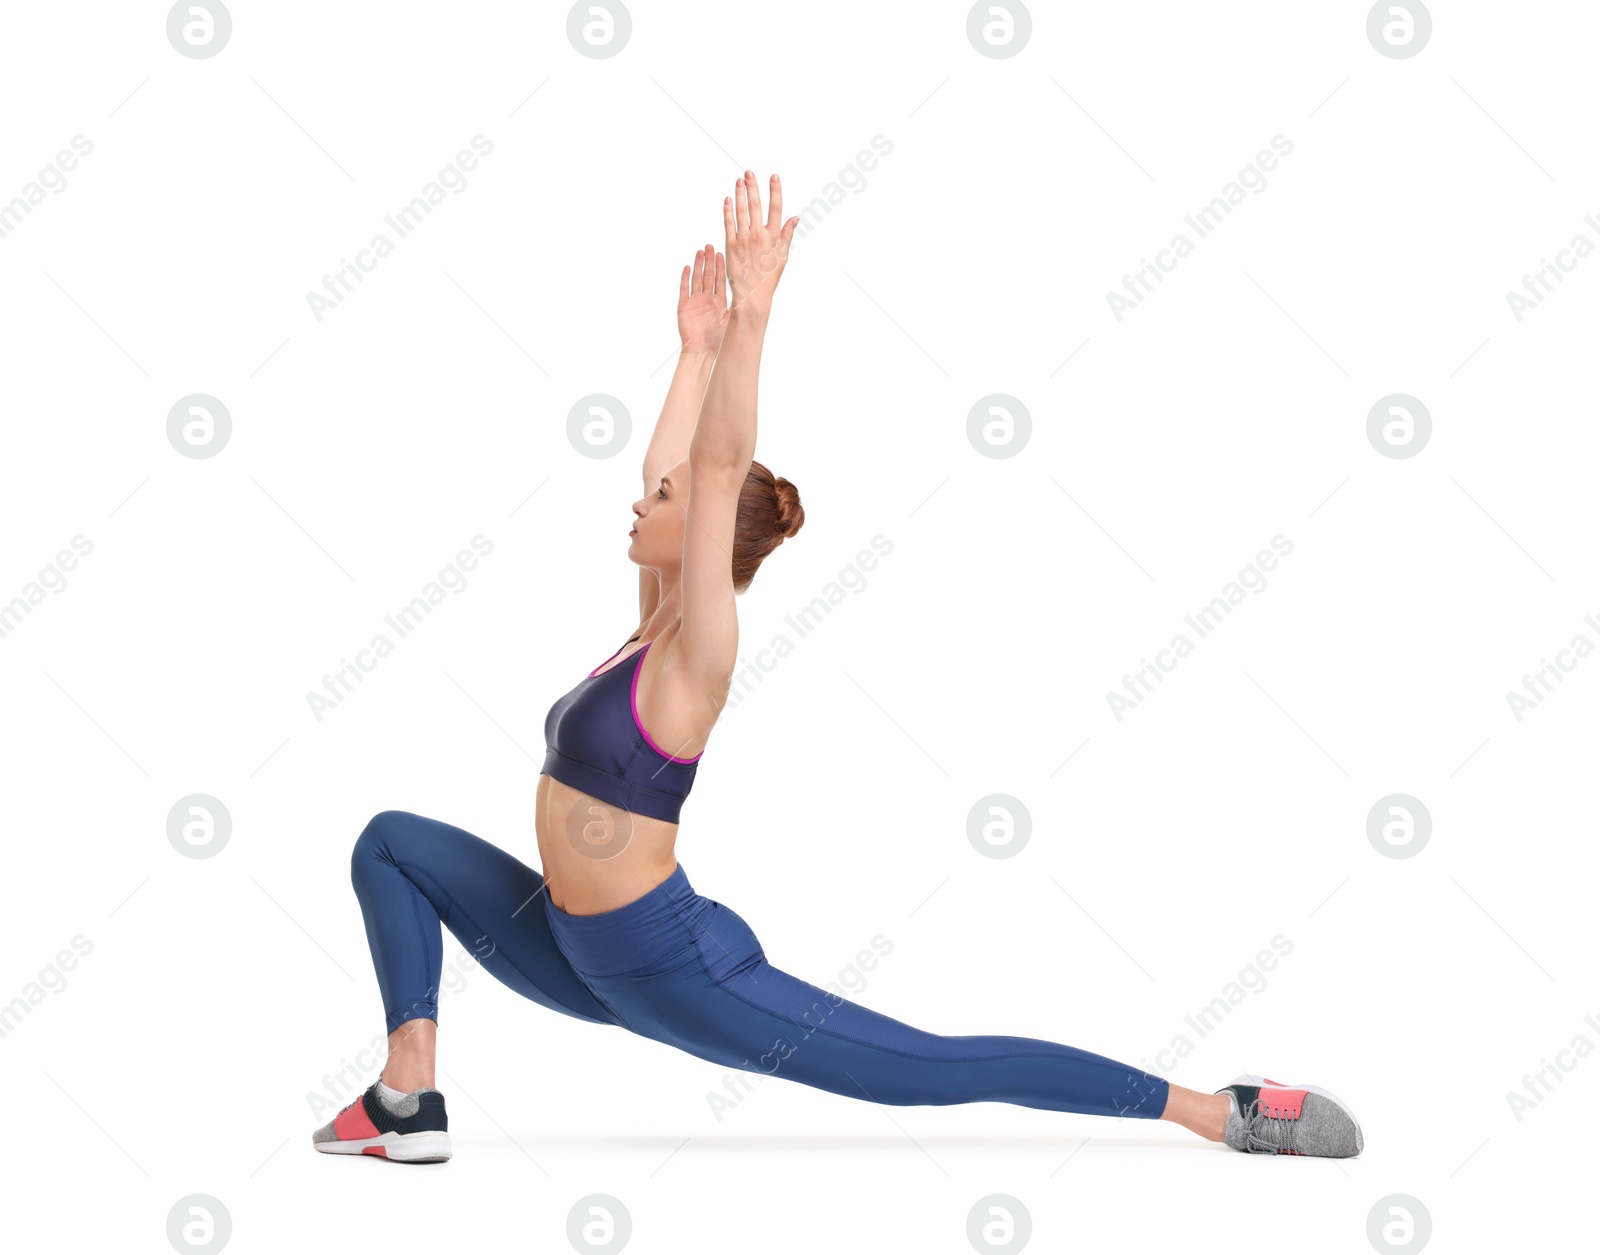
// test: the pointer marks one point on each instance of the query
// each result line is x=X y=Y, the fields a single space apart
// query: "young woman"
x=612 y=931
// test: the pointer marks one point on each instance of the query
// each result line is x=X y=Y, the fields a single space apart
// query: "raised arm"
x=702 y=319
x=724 y=440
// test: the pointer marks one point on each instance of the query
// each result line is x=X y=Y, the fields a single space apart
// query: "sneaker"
x=1269 y=1118
x=411 y=1130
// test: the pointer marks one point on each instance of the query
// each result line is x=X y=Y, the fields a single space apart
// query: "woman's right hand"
x=757 y=250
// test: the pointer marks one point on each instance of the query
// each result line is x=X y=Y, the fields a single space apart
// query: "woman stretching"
x=612 y=931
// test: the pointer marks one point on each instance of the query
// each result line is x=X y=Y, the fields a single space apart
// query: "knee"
x=380 y=835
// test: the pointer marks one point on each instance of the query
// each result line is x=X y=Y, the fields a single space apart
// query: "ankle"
x=1216 y=1121
x=412 y=1047
x=406 y=1077
x=1204 y=1114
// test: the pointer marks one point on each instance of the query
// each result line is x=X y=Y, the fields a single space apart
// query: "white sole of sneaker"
x=1310 y=1089
x=404 y=1147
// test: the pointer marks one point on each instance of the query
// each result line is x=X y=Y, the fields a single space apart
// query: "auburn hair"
x=769 y=513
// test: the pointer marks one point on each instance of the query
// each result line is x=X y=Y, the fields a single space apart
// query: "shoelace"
x=1283 y=1130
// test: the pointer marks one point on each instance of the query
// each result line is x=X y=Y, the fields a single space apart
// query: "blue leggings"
x=683 y=969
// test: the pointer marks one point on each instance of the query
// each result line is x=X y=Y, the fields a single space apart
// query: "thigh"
x=491 y=902
x=727 y=1004
x=719 y=999
x=758 y=1019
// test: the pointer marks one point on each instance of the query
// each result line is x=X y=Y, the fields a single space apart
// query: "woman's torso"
x=600 y=853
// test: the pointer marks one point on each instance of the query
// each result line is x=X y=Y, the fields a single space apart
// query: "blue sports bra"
x=595 y=742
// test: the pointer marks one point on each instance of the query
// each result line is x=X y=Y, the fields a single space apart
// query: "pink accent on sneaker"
x=1281 y=1104
x=353 y=1124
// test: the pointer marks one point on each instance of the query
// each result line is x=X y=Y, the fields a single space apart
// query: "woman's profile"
x=611 y=930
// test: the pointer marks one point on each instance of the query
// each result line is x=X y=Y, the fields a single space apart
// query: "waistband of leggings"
x=664 y=920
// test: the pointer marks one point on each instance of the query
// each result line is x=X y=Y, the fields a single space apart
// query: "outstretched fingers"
x=753 y=192
x=775 y=210
x=721 y=283
x=697 y=282
x=741 y=205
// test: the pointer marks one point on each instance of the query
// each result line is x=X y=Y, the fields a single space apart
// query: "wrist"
x=749 y=314
x=696 y=353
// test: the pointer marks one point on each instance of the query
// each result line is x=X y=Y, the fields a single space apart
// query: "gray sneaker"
x=1268 y=1118
x=414 y=1130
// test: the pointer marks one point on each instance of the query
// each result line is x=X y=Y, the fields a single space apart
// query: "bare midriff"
x=596 y=856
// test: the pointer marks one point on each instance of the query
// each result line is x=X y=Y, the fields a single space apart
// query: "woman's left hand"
x=703 y=303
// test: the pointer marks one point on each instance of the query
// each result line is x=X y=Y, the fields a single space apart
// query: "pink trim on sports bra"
x=624 y=645
x=633 y=704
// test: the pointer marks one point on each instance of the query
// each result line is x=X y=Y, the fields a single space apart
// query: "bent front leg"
x=411 y=874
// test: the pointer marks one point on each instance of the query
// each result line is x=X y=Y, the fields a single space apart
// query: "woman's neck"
x=668 y=608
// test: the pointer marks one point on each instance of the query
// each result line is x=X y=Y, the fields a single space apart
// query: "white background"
x=184 y=1052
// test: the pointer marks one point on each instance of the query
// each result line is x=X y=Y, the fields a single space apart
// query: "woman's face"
x=656 y=540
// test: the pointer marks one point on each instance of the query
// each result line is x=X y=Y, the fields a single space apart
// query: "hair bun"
x=790 y=513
